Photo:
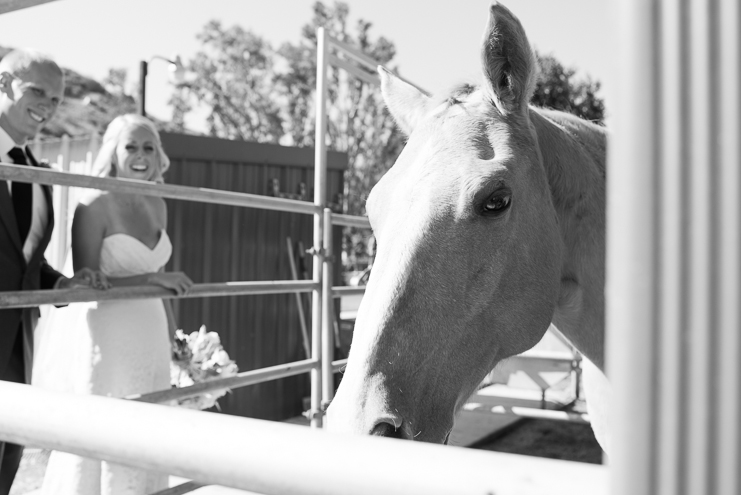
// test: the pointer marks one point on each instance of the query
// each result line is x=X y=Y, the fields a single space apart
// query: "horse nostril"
x=386 y=430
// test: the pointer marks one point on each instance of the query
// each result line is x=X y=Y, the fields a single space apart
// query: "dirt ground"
x=546 y=438
x=31 y=472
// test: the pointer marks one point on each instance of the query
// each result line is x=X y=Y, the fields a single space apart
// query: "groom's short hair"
x=18 y=62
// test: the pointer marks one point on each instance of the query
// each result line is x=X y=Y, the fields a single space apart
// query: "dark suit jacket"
x=16 y=274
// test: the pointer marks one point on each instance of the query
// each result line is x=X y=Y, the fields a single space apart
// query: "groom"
x=31 y=88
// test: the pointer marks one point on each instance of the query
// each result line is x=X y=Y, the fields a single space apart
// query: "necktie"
x=22 y=196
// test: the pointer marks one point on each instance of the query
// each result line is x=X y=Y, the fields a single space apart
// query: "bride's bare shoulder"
x=94 y=206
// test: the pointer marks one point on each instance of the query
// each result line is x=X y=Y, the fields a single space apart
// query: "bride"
x=122 y=347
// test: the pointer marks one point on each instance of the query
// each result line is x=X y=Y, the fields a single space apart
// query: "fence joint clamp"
x=316 y=252
x=313 y=414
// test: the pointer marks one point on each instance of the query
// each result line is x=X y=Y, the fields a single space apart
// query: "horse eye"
x=497 y=203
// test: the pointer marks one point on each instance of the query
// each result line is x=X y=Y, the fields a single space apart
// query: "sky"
x=438 y=41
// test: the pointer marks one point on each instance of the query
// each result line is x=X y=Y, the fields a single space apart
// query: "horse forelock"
x=477 y=122
x=458 y=94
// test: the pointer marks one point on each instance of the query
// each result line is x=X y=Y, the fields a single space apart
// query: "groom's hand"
x=85 y=278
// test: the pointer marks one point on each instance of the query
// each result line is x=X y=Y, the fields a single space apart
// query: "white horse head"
x=472 y=257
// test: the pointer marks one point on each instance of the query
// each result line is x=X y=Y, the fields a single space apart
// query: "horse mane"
x=590 y=136
x=577 y=136
x=574 y=156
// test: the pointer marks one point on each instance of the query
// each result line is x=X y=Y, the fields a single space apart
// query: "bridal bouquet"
x=196 y=358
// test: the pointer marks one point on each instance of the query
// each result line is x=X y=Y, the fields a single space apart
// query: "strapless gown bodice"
x=123 y=255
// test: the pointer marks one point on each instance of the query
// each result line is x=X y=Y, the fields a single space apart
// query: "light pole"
x=177 y=73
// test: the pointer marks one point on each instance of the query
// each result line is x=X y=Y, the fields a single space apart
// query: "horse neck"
x=573 y=154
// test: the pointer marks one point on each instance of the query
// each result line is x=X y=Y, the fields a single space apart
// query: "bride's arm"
x=88 y=227
x=171 y=323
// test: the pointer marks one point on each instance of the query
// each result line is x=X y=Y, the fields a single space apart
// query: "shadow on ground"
x=545 y=438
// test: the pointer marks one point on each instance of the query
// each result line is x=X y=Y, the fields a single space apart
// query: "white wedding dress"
x=111 y=348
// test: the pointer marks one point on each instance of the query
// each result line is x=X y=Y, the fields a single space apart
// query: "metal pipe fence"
x=33 y=298
x=20 y=173
x=322 y=338
x=320 y=365
x=274 y=458
x=240 y=380
x=20 y=299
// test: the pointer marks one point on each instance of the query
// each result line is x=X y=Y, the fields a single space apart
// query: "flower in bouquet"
x=180 y=349
x=197 y=358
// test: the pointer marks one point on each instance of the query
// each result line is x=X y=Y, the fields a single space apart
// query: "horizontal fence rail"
x=354 y=70
x=362 y=59
x=255 y=455
x=348 y=291
x=528 y=412
x=33 y=298
x=350 y=221
x=181 y=489
x=240 y=380
x=556 y=359
x=21 y=173
x=339 y=364
x=354 y=54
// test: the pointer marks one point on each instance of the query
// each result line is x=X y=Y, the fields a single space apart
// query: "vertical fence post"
x=632 y=247
x=93 y=148
x=327 y=313
x=63 y=211
x=674 y=250
x=320 y=200
x=728 y=344
x=143 y=88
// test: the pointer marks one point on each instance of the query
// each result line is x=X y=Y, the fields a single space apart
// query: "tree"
x=255 y=92
x=358 y=122
x=235 y=75
x=119 y=100
x=557 y=89
x=88 y=105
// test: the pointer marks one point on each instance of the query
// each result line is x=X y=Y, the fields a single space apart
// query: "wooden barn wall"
x=214 y=243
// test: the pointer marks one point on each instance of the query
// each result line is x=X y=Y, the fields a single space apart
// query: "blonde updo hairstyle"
x=104 y=165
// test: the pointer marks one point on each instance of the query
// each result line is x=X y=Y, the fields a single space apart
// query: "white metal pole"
x=61 y=228
x=673 y=163
x=320 y=200
x=699 y=270
x=327 y=313
x=728 y=432
x=674 y=248
x=33 y=298
x=631 y=245
x=270 y=457
x=20 y=173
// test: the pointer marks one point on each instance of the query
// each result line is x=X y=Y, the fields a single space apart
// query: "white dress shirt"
x=40 y=212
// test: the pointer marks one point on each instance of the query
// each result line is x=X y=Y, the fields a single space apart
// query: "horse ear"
x=406 y=103
x=509 y=64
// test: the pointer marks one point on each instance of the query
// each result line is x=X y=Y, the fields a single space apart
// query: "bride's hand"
x=86 y=278
x=177 y=282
